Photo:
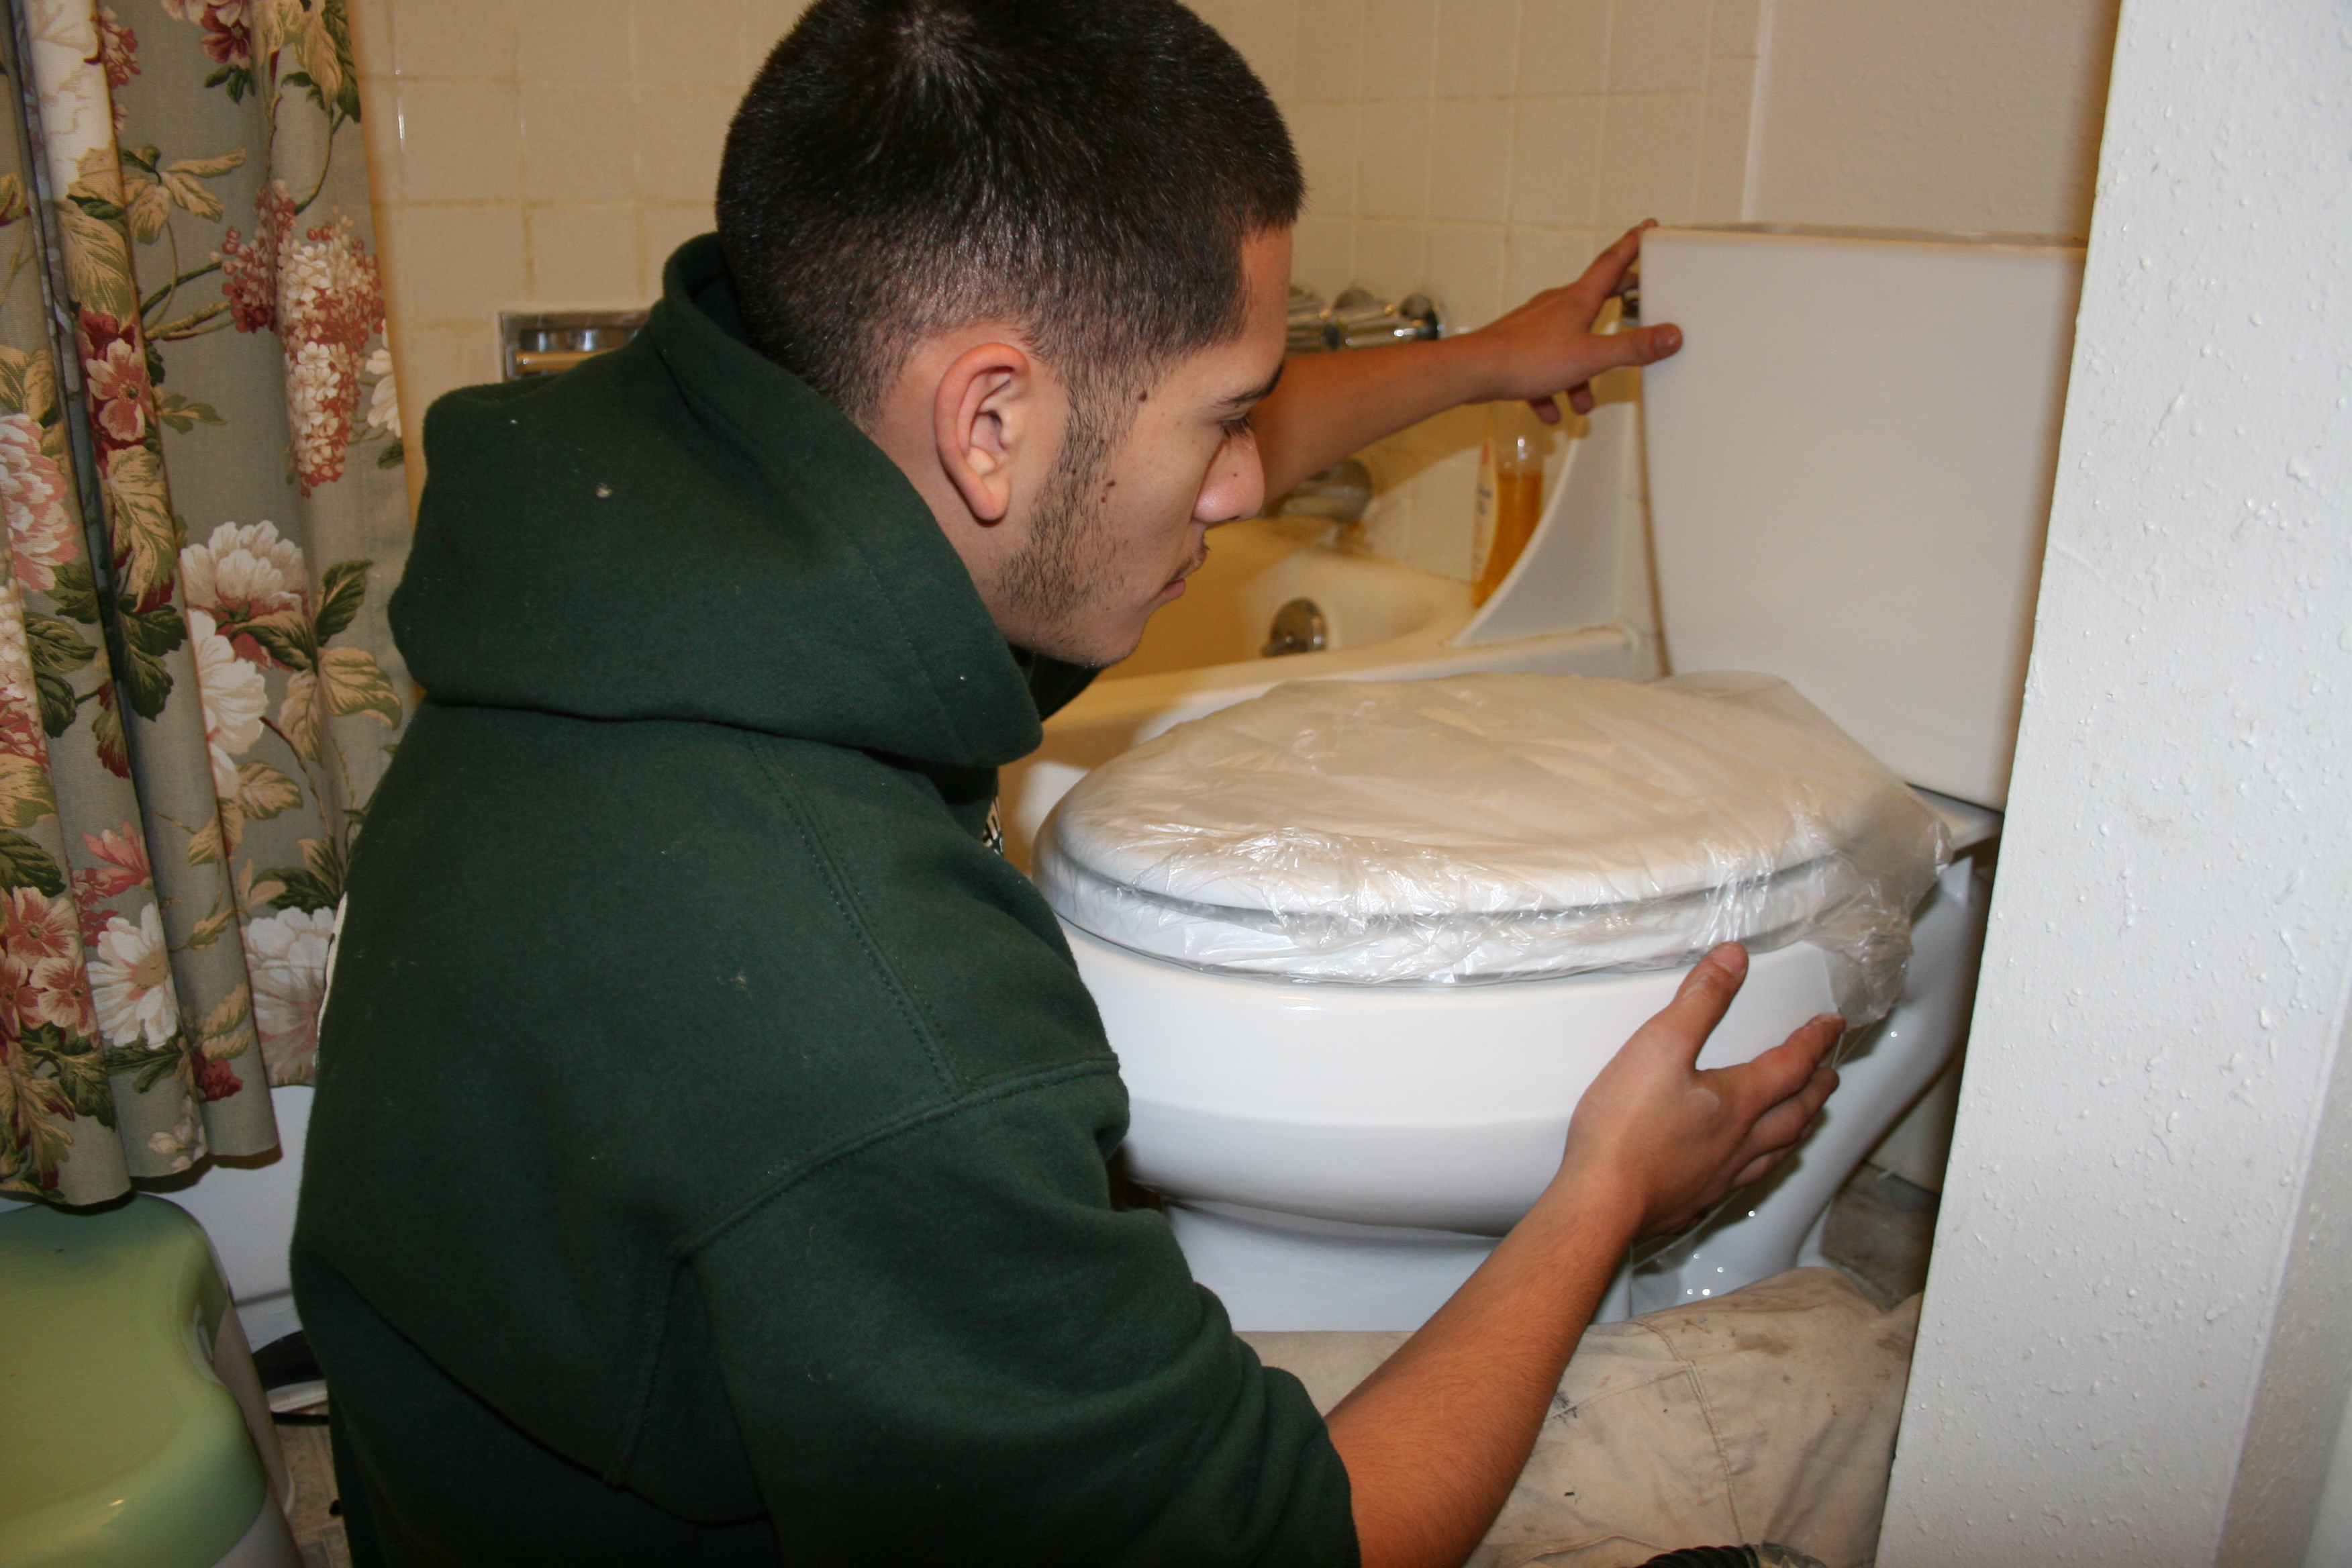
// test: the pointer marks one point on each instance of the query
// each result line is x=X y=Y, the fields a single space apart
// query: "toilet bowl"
x=1335 y=1156
x=1361 y=948
x=1858 y=513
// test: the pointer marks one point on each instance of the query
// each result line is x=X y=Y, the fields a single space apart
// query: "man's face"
x=1107 y=547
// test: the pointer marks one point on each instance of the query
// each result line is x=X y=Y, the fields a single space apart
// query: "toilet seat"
x=1454 y=946
x=1495 y=827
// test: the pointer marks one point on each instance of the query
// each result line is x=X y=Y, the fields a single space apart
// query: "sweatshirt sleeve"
x=944 y=1344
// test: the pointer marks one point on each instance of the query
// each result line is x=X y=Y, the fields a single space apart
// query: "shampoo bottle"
x=1510 y=494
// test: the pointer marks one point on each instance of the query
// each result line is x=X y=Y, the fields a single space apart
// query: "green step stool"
x=120 y=1351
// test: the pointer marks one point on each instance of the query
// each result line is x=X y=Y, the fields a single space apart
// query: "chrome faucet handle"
x=1341 y=492
x=1310 y=320
x=1360 y=319
x=1374 y=323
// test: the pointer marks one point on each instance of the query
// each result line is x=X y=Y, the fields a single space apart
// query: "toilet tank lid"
x=1937 y=236
x=1493 y=826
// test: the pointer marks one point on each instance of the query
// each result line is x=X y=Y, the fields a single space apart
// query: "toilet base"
x=1278 y=1272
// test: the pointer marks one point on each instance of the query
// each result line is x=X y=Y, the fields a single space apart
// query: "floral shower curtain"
x=200 y=467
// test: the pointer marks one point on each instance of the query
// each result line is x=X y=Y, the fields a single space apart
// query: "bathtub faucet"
x=1340 y=493
x=1359 y=318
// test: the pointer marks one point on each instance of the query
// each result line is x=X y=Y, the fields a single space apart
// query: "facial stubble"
x=1072 y=563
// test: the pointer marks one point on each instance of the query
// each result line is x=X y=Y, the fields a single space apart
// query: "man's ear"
x=983 y=414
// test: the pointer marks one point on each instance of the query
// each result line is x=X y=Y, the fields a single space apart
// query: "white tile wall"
x=455 y=38
x=578 y=143
x=1469 y=257
x=1723 y=158
x=544 y=153
x=459 y=141
x=1659 y=45
x=688 y=44
x=584 y=252
x=1392 y=158
x=1267 y=32
x=1556 y=161
x=1326 y=135
x=1537 y=258
x=1470 y=160
x=1400 y=49
x=1323 y=247
x=1649 y=158
x=565 y=42
x=1475 y=39
x=487 y=236
x=1484 y=149
x=1564 y=46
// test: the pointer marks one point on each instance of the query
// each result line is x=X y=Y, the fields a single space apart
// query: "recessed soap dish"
x=544 y=342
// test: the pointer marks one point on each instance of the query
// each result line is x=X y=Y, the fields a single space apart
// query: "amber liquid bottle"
x=1510 y=495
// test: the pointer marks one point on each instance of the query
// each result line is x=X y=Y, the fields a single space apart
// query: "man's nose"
x=1235 y=486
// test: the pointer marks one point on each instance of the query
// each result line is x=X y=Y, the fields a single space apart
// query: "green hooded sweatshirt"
x=709 y=1157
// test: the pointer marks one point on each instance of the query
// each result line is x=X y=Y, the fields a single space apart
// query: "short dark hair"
x=1087 y=169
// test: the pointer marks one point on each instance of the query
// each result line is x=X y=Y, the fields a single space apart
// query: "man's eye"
x=1237 y=426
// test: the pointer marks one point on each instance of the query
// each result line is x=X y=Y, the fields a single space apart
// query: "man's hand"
x=1434 y=1438
x=1670 y=1140
x=1548 y=345
x=1329 y=405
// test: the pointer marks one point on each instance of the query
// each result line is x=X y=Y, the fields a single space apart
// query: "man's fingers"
x=1795 y=1060
x=1607 y=268
x=1787 y=1071
x=1784 y=1124
x=1782 y=1128
x=1702 y=999
x=1647 y=346
x=1825 y=1081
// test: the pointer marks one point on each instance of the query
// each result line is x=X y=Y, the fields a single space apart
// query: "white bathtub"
x=1385 y=622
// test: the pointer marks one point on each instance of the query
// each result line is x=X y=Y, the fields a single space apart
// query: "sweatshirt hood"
x=683 y=529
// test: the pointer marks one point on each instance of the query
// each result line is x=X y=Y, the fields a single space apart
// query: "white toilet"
x=1850 y=466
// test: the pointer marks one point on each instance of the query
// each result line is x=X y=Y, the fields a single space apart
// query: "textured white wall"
x=1927 y=114
x=2165 y=983
x=2284 y=1482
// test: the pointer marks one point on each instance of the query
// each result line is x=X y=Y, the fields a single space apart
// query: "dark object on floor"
x=1765 y=1557
x=286 y=1361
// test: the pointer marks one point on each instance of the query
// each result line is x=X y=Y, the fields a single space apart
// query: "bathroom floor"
x=311 y=1470
x=1878 y=1234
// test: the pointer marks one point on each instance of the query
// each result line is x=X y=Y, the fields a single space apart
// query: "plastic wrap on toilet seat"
x=1497 y=827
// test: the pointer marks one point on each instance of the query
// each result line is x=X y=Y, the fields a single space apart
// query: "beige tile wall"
x=541 y=154
x=1483 y=149
x=548 y=154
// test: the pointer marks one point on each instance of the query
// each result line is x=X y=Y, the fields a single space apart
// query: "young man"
x=709 y=1160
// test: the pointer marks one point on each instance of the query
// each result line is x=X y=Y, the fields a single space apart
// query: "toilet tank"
x=1850 y=466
